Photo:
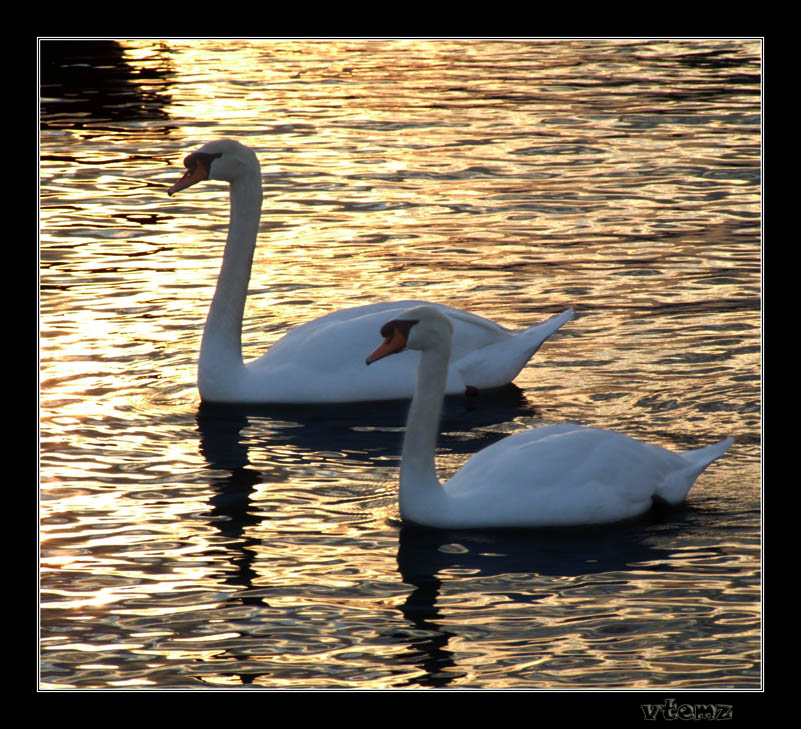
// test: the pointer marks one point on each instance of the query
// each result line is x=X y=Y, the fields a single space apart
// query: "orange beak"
x=394 y=343
x=197 y=166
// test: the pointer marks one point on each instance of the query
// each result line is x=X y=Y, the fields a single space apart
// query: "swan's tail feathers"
x=538 y=333
x=700 y=458
x=678 y=484
x=498 y=364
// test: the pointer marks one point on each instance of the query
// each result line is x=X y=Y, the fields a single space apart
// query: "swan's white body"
x=318 y=362
x=557 y=475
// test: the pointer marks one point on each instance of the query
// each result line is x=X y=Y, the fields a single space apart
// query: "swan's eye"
x=402 y=326
x=204 y=159
x=405 y=326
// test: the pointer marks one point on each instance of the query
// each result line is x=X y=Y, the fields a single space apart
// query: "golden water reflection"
x=512 y=179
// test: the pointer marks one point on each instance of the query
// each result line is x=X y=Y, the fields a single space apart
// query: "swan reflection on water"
x=356 y=430
x=555 y=560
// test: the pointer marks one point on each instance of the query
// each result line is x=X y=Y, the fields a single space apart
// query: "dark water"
x=192 y=547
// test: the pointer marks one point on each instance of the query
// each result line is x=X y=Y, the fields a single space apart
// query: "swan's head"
x=422 y=327
x=223 y=159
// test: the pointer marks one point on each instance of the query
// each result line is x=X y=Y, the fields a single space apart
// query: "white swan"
x=317 y=361
x=556 y=475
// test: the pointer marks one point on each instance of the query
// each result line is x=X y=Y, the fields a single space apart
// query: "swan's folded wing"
x=563 y=474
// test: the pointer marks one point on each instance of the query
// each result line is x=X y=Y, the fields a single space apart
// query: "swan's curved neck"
x=221 y=348
x=419 y=486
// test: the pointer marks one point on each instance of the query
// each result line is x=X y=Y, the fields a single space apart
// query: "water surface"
x=184 y=546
